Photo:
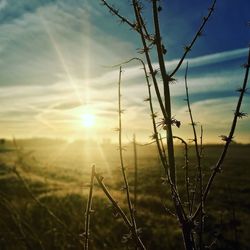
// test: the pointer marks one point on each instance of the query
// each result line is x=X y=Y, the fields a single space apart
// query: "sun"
x=88 y=120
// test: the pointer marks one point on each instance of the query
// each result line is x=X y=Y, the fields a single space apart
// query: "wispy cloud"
x=216 y=115
x=3 y=4
x=212 y=58
x=50 y=105
x=14 y=10
x=67 y=105
x=54 y=65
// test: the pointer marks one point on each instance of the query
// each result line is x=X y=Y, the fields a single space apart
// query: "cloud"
x=218 y=57
x=3 y=4
x=57 y=105
x=13 y=10
x=134 y=74
x=211 y=58
x=67 y=105
x=54 y=59
x=53 y=43
x=216 y=115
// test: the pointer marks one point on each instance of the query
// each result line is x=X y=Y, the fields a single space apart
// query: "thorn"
x=84 y=235
x=101 y=177
x=155 y=72
x=164 y=180
x=211 y=9
x=154 y=115
x=241 y=115
x=123 y=188
x=153 y=136
x=146 y=99
x=193 y=124
x=246 y=65
x=187 y=48
x=200 y=33
x=240 y=90
x=170 y=79
x=164 y=50
x=225 y=138
x=218 y=170
x=175 y=122
x=143 y=50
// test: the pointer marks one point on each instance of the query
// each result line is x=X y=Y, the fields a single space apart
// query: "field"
x=44 y=186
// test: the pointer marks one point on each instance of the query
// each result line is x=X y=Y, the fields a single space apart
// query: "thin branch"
x=89 y=210
x=198 y=34
x=186 y=171
x=146 y=34
x=187 y=223
x=135 y=174
x=152 y=113
x=131 y=210
x=114 y=203
x=166 y=80
x=229 y=138
x=163 y=150
x=121 y=149
x=115 y=12
x=119 y=210
x=177 y=202
x=123 y=19
x=199 y=178
x=201 y=142
x=145 y=47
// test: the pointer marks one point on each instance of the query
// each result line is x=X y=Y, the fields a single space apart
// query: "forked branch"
x=199 y=177
x=120 y=211
x=227 y=139
x=198 y=34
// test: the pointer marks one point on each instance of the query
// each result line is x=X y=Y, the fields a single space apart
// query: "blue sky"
x=55 y=57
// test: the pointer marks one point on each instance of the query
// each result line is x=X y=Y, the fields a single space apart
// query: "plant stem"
x=198 y=33
x=199 y=179
x=166 y=79
x=217 y=167
x=131 y=210
x=88 y=209
x=120 y=211
x=135 y=174
x=152 y=113
x=146 y=51
x=186 y=171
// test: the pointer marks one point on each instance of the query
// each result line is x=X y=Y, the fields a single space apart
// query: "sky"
x=56 y=59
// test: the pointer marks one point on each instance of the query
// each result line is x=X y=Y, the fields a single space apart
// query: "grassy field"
x=44 y=188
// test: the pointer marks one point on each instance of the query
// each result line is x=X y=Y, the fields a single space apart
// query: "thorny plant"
x=129 y=221
x=190 y=217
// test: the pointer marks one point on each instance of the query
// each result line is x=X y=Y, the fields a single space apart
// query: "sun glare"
x=88 y=120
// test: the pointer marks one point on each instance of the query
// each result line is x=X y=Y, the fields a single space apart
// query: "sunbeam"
x=60 y=57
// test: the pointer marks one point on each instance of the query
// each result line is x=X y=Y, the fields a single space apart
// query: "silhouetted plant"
x=190 y=217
